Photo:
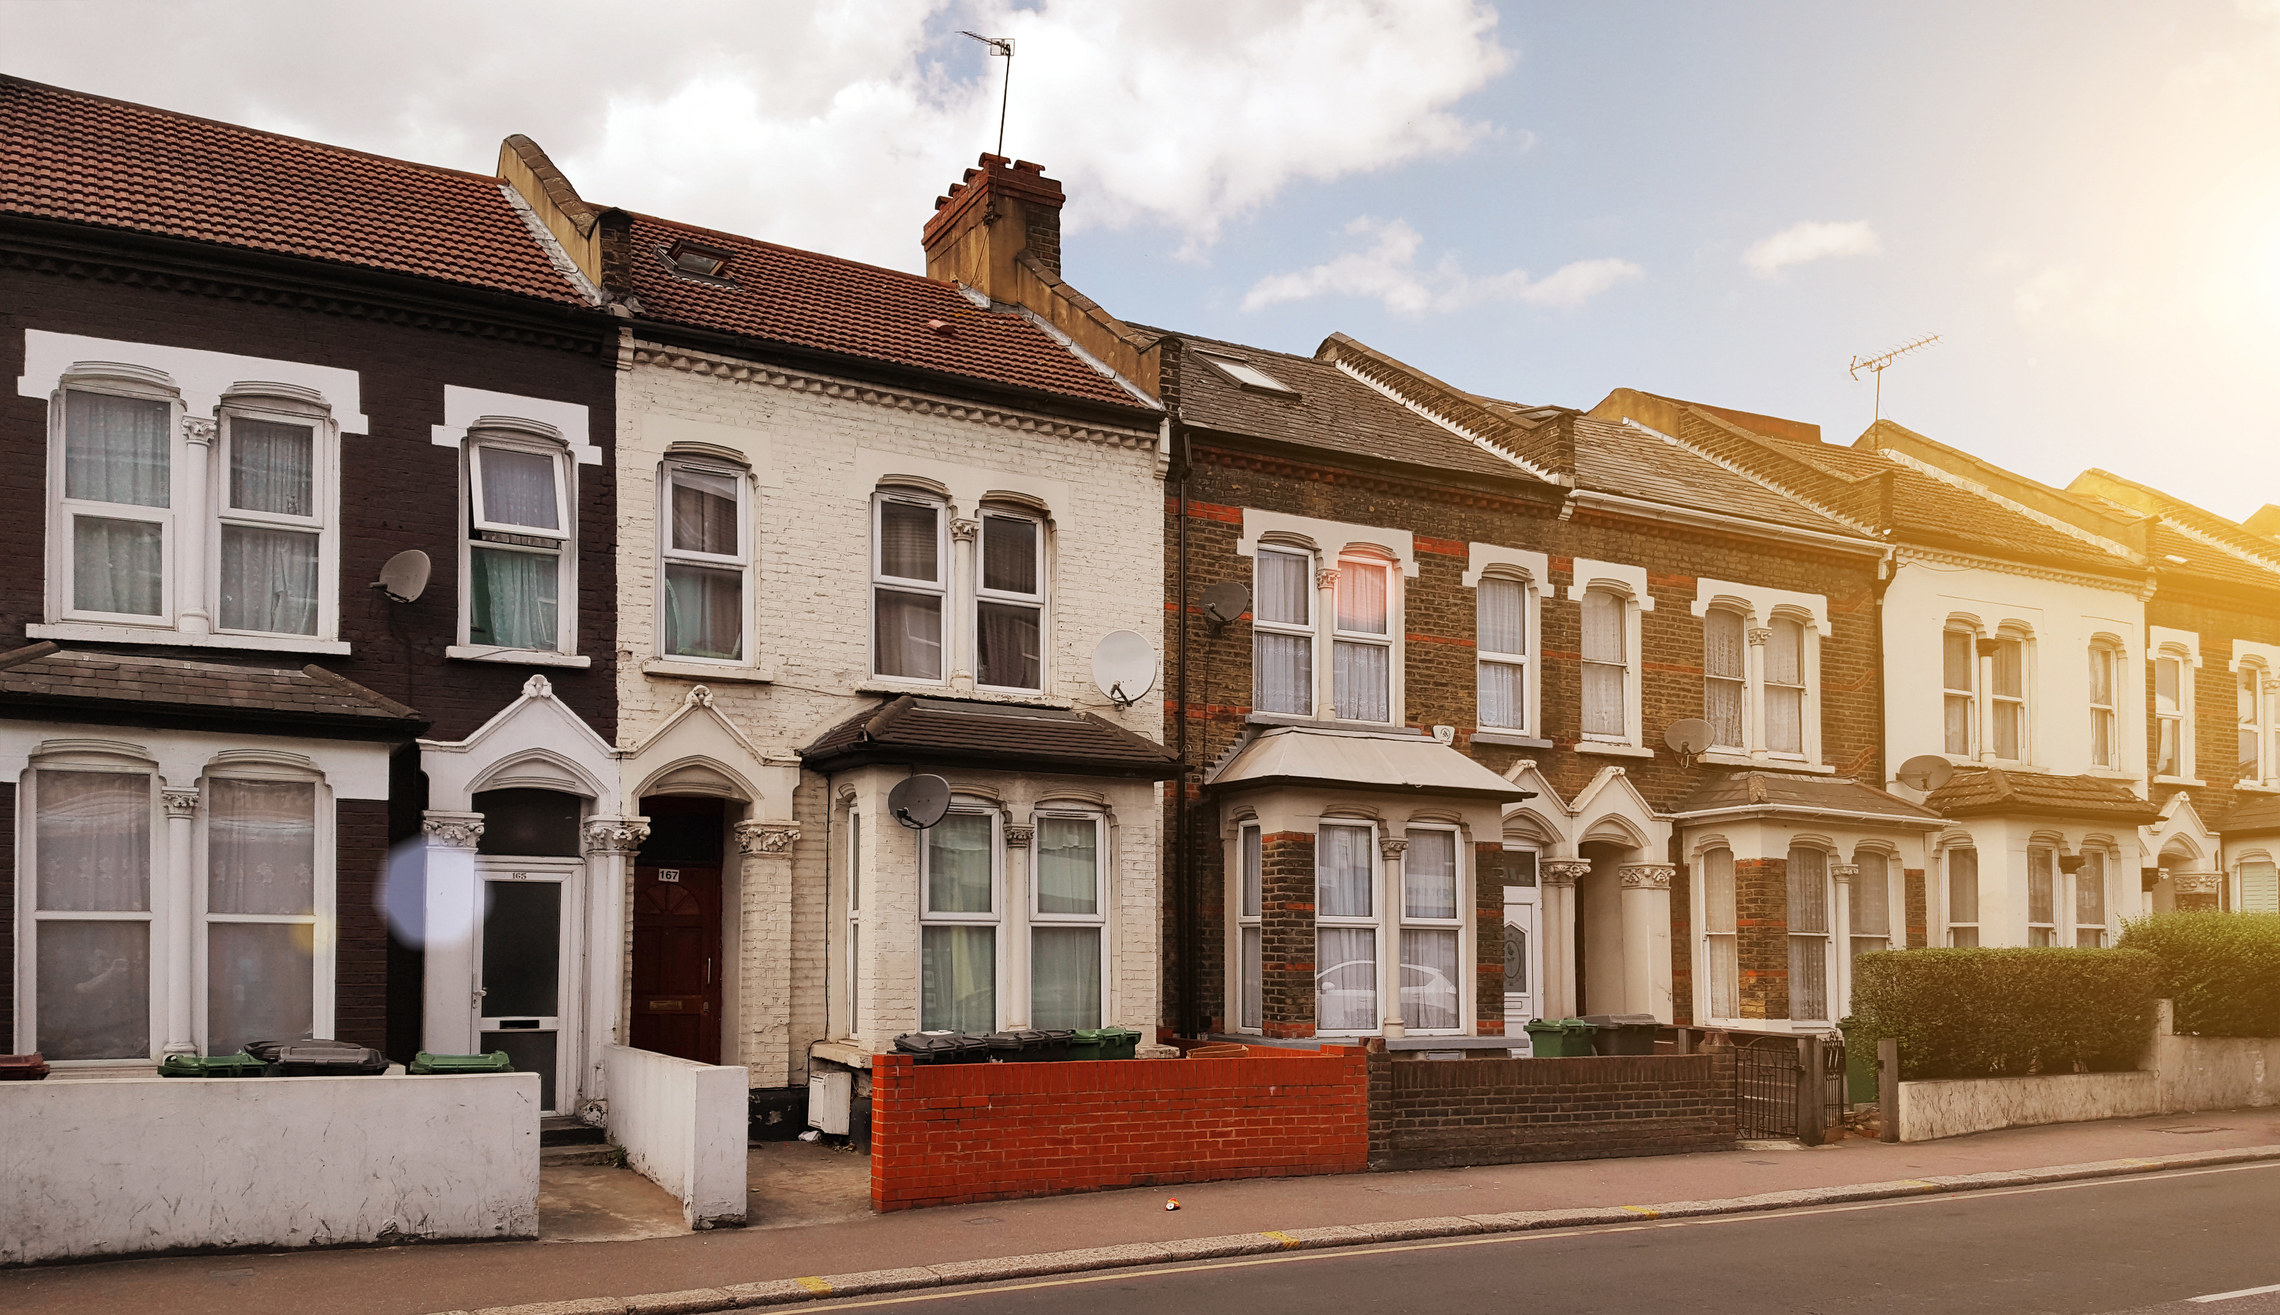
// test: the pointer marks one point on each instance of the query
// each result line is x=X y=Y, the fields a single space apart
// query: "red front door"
x=677 y=962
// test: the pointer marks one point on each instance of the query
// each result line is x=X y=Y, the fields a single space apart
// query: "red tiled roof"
x=84 y=159
x=807 y=299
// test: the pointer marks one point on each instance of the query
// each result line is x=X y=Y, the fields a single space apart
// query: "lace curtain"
x=1283 y=668
x=1429 y=875
x=1606 y=661
x=1429 y=978
x=1346 y=981
x=1718 y=924
x=1359 y=674
x=1342 y=872
x=704 y=612
x=1808 y=933
x=261 y=846
x=272 y=467
x=93 y=836
x=1284 y=588
x=1723 y=670
x=118 y=565
x=116 y=449
x=958 y=864
x=518 y=488
x=269 y=580
x=958 y=979
x=1785 y=688
x=91 y=833
x=1064 y=976
x=1500 y=605
x=512 y=600
x=1068 y=865
x=1361 y=598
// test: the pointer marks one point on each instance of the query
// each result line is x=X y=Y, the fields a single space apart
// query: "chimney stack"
x=1002 y=211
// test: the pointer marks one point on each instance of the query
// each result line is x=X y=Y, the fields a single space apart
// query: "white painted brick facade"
x=816 y=448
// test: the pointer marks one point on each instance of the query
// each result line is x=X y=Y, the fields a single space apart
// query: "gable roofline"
x=2028 y=497
x=2186 y=518
x=1546 y=451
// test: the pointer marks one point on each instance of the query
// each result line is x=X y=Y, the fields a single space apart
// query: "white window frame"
x=1947 y=893
x=1709 y=935
x=1403 y=922
x=1808 y=688
x=1036 y=918
x=1996 y=702
x=1307 y=631
x=140 y=384
x=542 y=440
x=1375 y=921
x=1969 y=697
x=2181 y=717
x=2107 y=861
x=1895 y=905
x=1742 y=682
x=29 y=916
x=284 y=405
x=1627 y=607
x=1391 y=570
x=323 y=921
x=1034 y=601
x=854 y=922
x=995 y=918
x=739 y=561
x=2105 y=718
x=2256 y=726
x=938 y=588
x=2043 y=854
x=1825 y=937
x=1248 y=886
x=1485 y=656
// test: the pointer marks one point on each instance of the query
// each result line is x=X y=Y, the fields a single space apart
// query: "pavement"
x=838 y=1248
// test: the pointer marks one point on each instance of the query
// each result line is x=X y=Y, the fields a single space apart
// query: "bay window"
x=1362 y=647
x=1501 y=605
x=1432 y=995
x=1067 y=922
x=2042 y=915
x=1959 y=677
x=261 y=911
x=2170 y=730
x=1606 y=666
x=705 y=553
x=519 y=541
x=2090 y=900
x=1249 y=952
x=1282 y=632
x=90 y=931
x=958 y=923
x=1345 y=928
x=1785 y=687
x=1009 y=604
x=1870 y=912
x=1963 y=897
x=2103 y=660
x=1808 y=933
x=1719 y=934
x=1725 y=678
x=909 y=586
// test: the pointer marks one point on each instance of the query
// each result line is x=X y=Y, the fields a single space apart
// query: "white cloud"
x=1387 y=270
x=1809 y=241
x=831 y=125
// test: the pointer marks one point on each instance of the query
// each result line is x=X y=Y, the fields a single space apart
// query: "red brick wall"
x=1286 y=933
x=1919 y=908
x=945 y=1134
x=1426 y=1115
x=8 y=915
x=1682 y=945
x=1761 y=940
x=1488 y=937
x=360 y=970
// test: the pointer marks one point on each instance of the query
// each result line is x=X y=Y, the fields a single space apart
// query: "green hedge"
x=2007 y=1012
x=2221 y=969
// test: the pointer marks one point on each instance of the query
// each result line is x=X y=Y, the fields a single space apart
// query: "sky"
x=1720 y=201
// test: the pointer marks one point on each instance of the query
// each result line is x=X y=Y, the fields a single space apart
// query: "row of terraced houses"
x=726 y=539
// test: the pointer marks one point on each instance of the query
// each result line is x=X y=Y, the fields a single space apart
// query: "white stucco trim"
x=201 y=376
x=968 y=485
x=533 y=741
x=1761 y=601
x=462 y=407
x=1329 y=538
x=1481 y=557
x=1588 y=573
x=2158 y=638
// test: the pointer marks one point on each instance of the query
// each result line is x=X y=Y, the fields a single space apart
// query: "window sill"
x=1513 y=738
x=1613 y=750
x=520 y=657
x=1770 y=763
x=2180 y=780
x=87 y=632
x=1327 y=723
x=2258 y=787
x=723 y=673
x=942 y=690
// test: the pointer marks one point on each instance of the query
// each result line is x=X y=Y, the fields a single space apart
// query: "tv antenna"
x=999 y=46
x=1877 y=365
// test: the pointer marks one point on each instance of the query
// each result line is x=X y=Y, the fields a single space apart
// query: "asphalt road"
x=2138 y=1245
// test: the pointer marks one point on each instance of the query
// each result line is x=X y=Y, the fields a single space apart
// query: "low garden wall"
x=1951 y=1107
x=683 y=1126
x=111 y=1167
x=2214 y=1072
x=1504 y=1111
x=948 y=1133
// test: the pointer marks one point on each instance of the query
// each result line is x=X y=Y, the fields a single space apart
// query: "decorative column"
x=763 y=946
x=1561 y=990
x=453 y=910
x=2195 y=890
x=1646 y=938
x=610 y=844
x=1020 y=870
x=958 y=627
x=1390 y=851
x=198 y=434
x=181 y=898
x=1983 y=702
x=1325 y=674
x=1753 y=691
x=1840 y=932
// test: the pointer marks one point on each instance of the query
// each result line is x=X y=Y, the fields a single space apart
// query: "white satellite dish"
x=1687 y=737
x=1124 y=666
x=918 y=802
x=405 y=577
x=1926 y=772
x=1226 y=602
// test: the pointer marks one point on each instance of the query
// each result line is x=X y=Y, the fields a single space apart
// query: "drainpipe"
x=1189 y=1019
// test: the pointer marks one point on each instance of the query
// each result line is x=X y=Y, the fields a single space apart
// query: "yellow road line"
x=1643 y=1212
x=1289 y=1243
x=815 y=1285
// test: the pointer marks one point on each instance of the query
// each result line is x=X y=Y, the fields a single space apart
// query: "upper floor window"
x=117 y=461
x=1725 y=678
x=2007 y=699
x=1501 y=603
x=1282 y=632
x=519 y=547
x=1009 y=604
x=2172 y=733
x=908 y=587
x=1959 y=678
x=705 y=540
x=1362 y=652
x=2103 y=722
x=2251 y=720
x=1606 y=666
x=1785 y=686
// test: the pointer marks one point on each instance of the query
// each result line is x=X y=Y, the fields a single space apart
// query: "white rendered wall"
x=683 y=1126
x=119 y=1166
x=816 y=449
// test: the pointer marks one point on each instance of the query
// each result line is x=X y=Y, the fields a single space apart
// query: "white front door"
x=1523 y=963
x=526 y=970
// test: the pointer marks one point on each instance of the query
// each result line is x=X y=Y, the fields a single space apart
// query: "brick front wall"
x=1761 y=925
x=943 y=1135
x=1426 y=1115
x=1488 y=935
x=1919 y=910
x=1286 y=933
x=8 y=914
x=360 y=972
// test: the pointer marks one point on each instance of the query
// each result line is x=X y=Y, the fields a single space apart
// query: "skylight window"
x=697 y=259
x=1248 y=375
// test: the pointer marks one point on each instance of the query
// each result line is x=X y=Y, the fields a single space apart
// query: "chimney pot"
x=1029 y=166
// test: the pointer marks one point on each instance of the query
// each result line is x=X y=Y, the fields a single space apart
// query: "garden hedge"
x=2221 y=969
x=1975 y=1013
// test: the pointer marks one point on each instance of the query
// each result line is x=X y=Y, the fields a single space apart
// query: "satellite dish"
x=918 y=802
x=1687 y=737
x=1926 y=772
x=1223 y=603
x=1124 y=666
x=405 y=576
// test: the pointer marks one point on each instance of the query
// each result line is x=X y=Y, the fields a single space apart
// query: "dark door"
x=676 y=962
